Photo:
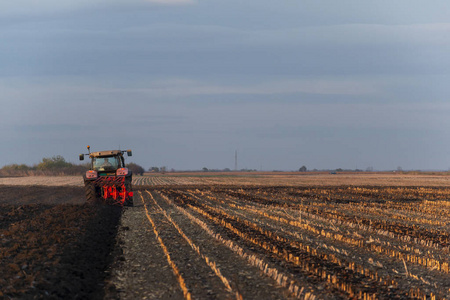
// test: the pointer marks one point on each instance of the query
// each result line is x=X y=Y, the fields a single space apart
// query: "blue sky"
x=326 y=84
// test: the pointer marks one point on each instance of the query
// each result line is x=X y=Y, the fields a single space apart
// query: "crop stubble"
x=329 y=246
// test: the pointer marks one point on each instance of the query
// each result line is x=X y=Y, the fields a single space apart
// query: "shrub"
x=56 y=165
x=135 y=168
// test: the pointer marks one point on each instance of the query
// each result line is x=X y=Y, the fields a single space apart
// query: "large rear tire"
x=91 y=192
x=128 y=187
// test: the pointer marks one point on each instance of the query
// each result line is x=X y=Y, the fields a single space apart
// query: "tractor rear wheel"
x=129 y=200
x=90 y=192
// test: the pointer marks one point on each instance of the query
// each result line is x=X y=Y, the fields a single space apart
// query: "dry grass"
x=255 y=178
x=297 y=179
x=43 y=180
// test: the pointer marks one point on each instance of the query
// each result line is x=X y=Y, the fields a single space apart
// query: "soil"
x=43 y=181
x=53 y=245
x=226 y=241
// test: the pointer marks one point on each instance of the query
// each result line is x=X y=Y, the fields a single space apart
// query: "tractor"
x=108 y=180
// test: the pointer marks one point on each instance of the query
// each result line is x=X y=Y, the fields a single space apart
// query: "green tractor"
x=108 y=180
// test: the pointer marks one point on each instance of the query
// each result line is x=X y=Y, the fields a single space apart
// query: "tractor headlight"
x=91 y=174
x=122 y=172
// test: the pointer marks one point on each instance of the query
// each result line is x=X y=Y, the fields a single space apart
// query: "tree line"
x=54 y=166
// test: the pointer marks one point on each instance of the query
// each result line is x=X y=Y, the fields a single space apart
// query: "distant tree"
x=205 y=169
x=339 y=170
x=15 y=170
x=16 y=167
x=226 y=170
x=135 y=168
x=55 y=165
x=369 y=169
x=302 y=169
x=56 y=162
x=163 y=169
x=154 y=169
x=399 y=169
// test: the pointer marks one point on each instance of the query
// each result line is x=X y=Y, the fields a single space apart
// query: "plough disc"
x=113 y=190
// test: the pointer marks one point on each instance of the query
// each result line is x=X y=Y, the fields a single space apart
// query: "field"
x=229 y=236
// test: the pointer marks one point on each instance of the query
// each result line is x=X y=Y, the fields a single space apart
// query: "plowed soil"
x=53 y=246
x=227 y=241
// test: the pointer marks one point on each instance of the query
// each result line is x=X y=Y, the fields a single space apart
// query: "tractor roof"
x=105 y=153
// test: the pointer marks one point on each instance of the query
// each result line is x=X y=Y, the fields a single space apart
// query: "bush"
x=302 y=169
x=16 y=167
x=56 y=165
x=15 y=170
x=135 y=168
x=56 y=162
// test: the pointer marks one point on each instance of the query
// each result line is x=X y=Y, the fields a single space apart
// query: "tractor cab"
x=107 y=163
x=107 y=160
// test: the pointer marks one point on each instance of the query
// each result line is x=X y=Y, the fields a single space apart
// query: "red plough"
x=113 y=190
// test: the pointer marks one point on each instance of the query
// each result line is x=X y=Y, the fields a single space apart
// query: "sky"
x=186 y=83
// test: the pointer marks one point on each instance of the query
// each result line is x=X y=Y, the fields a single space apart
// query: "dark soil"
x=57 y=250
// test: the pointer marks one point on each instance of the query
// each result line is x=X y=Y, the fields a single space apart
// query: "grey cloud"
x=323 y=50
x=49 y=7
x=321 y=83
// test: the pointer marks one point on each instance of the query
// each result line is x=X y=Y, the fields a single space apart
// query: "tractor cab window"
x=106 y=163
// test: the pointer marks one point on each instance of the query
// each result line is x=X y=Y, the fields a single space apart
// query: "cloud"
x=116 y=45
x=180 y=87
x=174 y=87
x=172 y=2
x=33 y=7
x=36 y=7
